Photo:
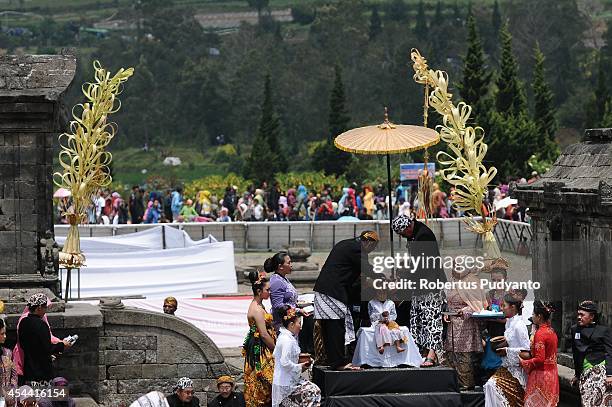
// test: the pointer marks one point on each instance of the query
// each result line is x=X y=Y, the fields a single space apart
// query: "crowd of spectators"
x=264 y=203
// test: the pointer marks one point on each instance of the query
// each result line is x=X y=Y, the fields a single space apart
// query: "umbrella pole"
x=390 y=206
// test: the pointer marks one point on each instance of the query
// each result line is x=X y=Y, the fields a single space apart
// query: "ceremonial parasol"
x=62 y=193
x=387 y=138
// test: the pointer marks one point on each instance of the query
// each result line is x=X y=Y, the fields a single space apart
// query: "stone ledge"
x=140 y=318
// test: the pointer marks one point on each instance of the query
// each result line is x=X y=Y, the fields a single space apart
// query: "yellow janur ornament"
x=463 y=169
x=83 y=156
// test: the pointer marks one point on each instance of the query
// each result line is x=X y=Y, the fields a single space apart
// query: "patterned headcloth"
x=184 y=383
x=401 y=223
x=172 y=301
x=37 y=299
x=588 y=306
x=225 y=379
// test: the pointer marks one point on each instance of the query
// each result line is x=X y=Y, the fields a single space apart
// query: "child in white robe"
x=382 y=316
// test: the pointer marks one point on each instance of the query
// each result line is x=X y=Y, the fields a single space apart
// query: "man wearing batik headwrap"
x=592 y=349
x=183 y=394
x=170 y=305
x=426 y=307
x=35 y=339
x=227 y=396
x=341 y=270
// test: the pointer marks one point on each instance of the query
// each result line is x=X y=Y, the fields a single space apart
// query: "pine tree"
x=396 y=10
x=326 y=156
x=475 y=82
x=458 y=20
x=420 y=29
x=266 y=157
x=596 y=106
x=375 y=24
x=496 y=19
x=439 y=16
x=544 y=114
x=338 y=116
x=510 y=98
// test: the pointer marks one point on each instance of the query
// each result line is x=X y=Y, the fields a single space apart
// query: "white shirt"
x=518 y=339
x=257 y=212
x=287 y=370
x=100 y=203
x=376 y=308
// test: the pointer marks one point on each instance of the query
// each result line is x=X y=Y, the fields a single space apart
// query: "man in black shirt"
x=592 y=349
x=341 y=271
x=34 y=337
x=227 y=396
x=426 y=306
x=183 y=394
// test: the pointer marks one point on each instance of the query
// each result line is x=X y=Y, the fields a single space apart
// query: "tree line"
x=281 y=92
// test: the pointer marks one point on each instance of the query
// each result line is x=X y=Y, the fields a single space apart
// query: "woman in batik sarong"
x=592 y=349
x=506 y=388
x=463 y=342
x=543 y=378
x=258 y=346
x=289 y=388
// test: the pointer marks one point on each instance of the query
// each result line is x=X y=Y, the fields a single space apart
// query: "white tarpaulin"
x=150 y=239
x=187 y=272
x=223 y=319
x=137 y=264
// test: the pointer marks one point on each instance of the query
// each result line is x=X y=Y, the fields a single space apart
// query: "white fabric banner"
x=186 y=272
x=223 y=319
x=149 y=239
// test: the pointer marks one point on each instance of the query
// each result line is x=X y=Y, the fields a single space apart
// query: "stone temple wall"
x=141 y=351
x=124 y=353
x=31 y=87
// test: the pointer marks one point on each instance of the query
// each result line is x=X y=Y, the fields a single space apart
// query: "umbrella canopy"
x=387 y=138
x=62 y=193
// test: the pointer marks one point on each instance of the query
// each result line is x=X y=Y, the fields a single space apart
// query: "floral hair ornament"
x=291 y=313
x=548 y=307
x=260 y=277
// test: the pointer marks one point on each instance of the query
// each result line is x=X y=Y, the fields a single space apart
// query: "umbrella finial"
x=386 y=124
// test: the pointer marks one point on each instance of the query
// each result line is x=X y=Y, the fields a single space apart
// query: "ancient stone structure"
x=121 y=353
x=30 y=91
x=571 y=211
x=142 y=351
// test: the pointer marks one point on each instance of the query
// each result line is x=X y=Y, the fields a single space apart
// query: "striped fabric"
x=326 y=307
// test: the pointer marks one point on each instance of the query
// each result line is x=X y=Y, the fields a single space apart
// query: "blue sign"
x=413 y=170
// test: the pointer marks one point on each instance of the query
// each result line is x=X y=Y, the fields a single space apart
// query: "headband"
x=171 y=300
x=37 y=299
x=290 y=314
x=370 y=235
x=588 y=306
x=401 y=223
x=184 y=383
x=225 y=379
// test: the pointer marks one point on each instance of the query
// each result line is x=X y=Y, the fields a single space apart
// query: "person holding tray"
x=463 y=343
